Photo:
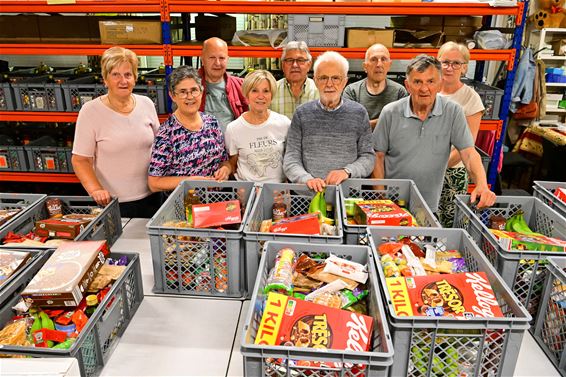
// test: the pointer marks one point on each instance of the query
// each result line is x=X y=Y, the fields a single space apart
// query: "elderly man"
x=376 y=90
x=329 y=139
x=222 y=95
x=414 y=136
x=295 y=88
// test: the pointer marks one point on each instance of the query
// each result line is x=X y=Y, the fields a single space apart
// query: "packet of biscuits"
x=106 y=275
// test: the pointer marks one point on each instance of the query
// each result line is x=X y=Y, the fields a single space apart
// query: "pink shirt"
x=120 y=145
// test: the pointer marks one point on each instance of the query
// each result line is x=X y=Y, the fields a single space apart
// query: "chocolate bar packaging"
x=64 y=278
x=216 y=214
x=60 y=228
x=381 y=212
x=10 y=262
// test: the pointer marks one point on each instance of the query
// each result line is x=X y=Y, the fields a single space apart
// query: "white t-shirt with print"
x=259 y=148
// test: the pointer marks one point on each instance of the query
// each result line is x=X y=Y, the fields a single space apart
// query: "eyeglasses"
x=118 y=76
x=194 y=92
x=335 y=79
x=299 y=61
x=455 y=65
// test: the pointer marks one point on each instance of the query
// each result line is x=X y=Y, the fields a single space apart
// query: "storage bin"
x=298 y=198
x=49 y=159
x=550 y=325
x=544 y=190
x=491 y=98
x=522 y=271
x=199 y=262
x=97 y=340
x=13 y=158
x=153 y=86
x=13 y=284
x=81 y=90
x=38 y=94
x=317 y=30
x=553 y=99
x=18 y=201
x=257 y=357
x=106 y=226
x=393 y=189
x=7 y=101
x=432 y=341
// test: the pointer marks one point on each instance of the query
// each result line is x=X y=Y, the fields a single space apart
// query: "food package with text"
x=216 y=214
x=381 y=212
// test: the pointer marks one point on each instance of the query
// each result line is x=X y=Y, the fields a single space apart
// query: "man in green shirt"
x=295 y=88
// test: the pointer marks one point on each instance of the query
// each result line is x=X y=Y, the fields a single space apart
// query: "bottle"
x=190 y=199
x=91 y=304
x=279 y=209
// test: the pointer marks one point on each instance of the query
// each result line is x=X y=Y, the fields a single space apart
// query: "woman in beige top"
x=113 y=139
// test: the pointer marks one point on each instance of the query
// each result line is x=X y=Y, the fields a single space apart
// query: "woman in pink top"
x=113 y=139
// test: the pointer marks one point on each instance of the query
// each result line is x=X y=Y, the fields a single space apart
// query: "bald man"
x=222 y=96
x=376 y=90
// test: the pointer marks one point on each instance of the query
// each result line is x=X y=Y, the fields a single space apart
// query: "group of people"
x=317 y=131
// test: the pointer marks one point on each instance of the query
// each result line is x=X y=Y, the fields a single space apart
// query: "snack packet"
x=281 y=275
x=345 y=268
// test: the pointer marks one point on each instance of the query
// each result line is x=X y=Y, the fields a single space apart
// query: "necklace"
x=127 y=109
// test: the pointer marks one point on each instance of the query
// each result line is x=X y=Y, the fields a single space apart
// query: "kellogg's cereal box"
x=381 y=212
x=465 y=295
x=301 y=224
x=287 y=321
x=216 y=214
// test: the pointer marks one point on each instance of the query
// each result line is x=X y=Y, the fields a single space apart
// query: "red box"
x=60 y=228
x=381 y=212
x=560 y=193
x=463 y=296
x=302 y=224
x=287 y=321
x=216 y=214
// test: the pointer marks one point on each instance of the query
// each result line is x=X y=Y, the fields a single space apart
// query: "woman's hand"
x=101 y=197
x=222 y=174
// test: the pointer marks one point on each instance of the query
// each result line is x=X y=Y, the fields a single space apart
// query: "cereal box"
x=287 y=321
x=381 y=212
x=216 y=214
x=302 y=224
x=531 y=242
x=464 y=296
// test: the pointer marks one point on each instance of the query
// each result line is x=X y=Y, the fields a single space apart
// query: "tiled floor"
x=173 y=335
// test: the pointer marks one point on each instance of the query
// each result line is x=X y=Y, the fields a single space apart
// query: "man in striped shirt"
x=295 y=88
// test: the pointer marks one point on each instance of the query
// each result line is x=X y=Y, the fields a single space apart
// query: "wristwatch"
x=348 y=171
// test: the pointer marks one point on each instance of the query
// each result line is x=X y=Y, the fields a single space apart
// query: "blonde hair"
x=254 y=78
x=449 y=46
x=115 y=56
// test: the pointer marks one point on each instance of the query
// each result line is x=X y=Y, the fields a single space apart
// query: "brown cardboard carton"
x=64 y=29
x=463 y=21
x=418 y=22
x=130 y=32
x=64 y=278
x=19 y=29
x=222 y=26
x=460 y=31
x=365 y=37
x=67 y=229
x=418 y=39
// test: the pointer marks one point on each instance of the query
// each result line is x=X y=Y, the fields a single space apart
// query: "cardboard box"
x=302 y=224
x=67 y=229
x=418 y=22
x=560 y=193
x=381 y=212
x=418 y=39
x=221 y=26
x=464 y=21
x=64 y=278
x=65 y=29
x=19 y=29
x=130 y=32
x=519 y=241
x=365 y=37
x=10 y=262
x=467 y=31
x=216 y=214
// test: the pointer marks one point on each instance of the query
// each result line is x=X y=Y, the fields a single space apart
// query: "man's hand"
x=335 y=177
x=101 y=197
x=222 y=174
x=316 y=184
x=486 y=196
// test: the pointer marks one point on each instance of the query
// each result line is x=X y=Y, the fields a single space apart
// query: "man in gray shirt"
x=414 y=136
x=376 y=90
x=329 y=139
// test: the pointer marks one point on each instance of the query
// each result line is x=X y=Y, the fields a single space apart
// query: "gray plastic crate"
x=298 y=198
x=18 y=201
x=428 y=340
x=13 y=158
x=7 y=101
x=545 y=191
x=550 y=326
x=317 y=30
x=81 y=90
x=156 y=92
x=36 y=94
x=199 y=262
x=256 y=357
x=13 y=284
x=393 y=189
x=106 y=226
x=98 y=339
x=523 y=271
x=49 y=159
x=491 y=98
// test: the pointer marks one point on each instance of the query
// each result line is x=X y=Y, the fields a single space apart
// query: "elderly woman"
x=113 y=139
x=190 y=144
x=256 y=140
x=454 y=58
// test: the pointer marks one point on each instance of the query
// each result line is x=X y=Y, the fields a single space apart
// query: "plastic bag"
x=276 y=38
x=492 y=40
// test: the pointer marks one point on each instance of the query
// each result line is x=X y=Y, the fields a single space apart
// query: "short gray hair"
x=332 y=56
x=422 y=62
x=296 y=45
x=181 y=73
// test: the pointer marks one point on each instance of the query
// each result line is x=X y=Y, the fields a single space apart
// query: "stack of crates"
x=99 y=337
x=317 y=30
x=491 y=98
x=19 y=202
x=81 y=90
x=13 y=158
x=379 y=189
x=545 y=191
x=39 y=93
x=107 y=225
x=444 y=346
x=280 y=360
x=297 y=198
x=550 y=325
x=522 y=270
x=199 y=262
x=49 y=159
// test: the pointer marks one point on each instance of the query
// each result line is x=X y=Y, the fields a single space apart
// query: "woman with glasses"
x=113 y=138
x=454 y=58
x=256 y=140
x=190 y=144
